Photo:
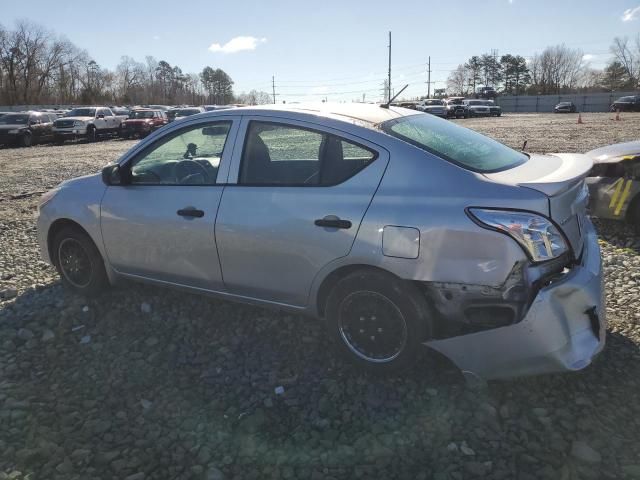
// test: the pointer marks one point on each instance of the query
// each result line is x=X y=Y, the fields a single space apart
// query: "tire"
x=26 y=140
x=366 y=303
x=73 y=251
x=92 y=135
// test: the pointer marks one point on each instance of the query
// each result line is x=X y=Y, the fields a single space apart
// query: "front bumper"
x=71 y=132
x=564 y=329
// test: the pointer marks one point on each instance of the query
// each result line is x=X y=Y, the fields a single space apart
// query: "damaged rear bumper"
x=563 y=330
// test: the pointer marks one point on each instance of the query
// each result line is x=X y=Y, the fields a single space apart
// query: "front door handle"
x=332 y=221
x=191 y=212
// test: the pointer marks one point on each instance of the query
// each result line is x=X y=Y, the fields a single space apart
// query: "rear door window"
x=288 y=155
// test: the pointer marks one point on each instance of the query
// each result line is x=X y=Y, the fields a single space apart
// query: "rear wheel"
x=79 y=262
x=377 y=320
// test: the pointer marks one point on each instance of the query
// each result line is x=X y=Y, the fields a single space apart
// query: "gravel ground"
x=147 y=383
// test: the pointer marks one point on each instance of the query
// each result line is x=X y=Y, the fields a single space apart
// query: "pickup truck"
x=87 y=122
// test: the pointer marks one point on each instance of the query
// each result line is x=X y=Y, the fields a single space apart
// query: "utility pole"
x=389 y=82
x=429 y=77
x=273 y=87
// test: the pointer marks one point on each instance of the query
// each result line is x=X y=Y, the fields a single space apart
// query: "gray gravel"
x=146 y=383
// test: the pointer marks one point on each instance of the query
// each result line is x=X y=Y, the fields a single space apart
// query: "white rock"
x=146 y=404
x=279 y=390
x=48 y=335
x=145 y=307
x=85 y=309
x=86 y=339
x=466 y=450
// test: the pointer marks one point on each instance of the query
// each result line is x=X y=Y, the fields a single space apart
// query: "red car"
x=142 y=122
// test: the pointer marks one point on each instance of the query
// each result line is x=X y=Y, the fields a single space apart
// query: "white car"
x=87 y=122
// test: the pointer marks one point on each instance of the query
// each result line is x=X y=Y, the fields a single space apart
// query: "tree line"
x=556 y=70
x=39 y=67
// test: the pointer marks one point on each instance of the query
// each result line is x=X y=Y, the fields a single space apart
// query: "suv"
x=142 y=122
x=486 y=92
x=26 y=128
x=433 y=106
x=477 y=108
x=627 y=104
x=456 y=108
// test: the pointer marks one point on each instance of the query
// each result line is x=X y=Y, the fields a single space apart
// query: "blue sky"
x=336 y=49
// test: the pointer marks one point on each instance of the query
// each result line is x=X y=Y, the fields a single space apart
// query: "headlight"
x=78 y=123
x=538 y=236
x=13 y=132
x=47 y=197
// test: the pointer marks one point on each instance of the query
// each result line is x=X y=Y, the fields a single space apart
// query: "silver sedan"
x=396 y=228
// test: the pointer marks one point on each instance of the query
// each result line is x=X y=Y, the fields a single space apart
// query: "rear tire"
x=377 y=320
x=79 y=262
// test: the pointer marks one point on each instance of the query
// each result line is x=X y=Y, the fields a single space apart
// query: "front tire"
x=26 y=140
x=92 y=135
x=377 y=320
x=79 y=262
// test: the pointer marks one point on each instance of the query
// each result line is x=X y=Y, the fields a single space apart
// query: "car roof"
x=368 y=113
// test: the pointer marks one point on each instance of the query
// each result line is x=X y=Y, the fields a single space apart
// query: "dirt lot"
x=146 y=383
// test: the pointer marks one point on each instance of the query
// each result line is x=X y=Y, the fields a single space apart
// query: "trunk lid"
x=560 y=177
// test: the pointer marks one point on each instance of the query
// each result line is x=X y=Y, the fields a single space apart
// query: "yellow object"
x=623 y=198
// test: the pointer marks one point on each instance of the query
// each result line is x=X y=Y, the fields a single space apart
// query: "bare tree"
x=458 y=81
x=556 y=69
x=628 y=57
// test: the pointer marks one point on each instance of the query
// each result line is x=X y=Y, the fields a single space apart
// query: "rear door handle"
x=332 y=221
x=191 y=212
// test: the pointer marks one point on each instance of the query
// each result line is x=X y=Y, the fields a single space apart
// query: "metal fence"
x=590 y=102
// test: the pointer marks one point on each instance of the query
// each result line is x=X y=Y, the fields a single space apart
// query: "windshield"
x=433 y=102
x=141 y=114
x=187 y=112
x=476 y=102
x=12 y=119
x=626 y=99
x=456 y=144
x=82 y=112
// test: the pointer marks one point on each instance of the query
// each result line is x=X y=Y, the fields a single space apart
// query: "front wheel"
x=92 y=135
x=26 y=140
x=377 y=320
x=79 y=262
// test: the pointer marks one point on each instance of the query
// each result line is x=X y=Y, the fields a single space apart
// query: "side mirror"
x=101 y=115
x=113 y=174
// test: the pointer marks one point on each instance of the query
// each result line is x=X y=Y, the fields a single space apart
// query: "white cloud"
x=237 y=44
x=630 y=14
x=156 y=37
x=588 y=56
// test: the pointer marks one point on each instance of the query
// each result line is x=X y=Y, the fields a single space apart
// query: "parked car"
x=614 y=182
x=87 y=122
x=182 y=113
x=565 y=107
x=433 y=106
x=25 y=128
x=142 y=122
x=486 y=92
x=477 y=108
x=456 y=107
x=171 y=114
x=394 y=227
x=627 y=104
x=494 y=110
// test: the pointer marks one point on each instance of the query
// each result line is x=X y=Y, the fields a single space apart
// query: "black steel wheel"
x=377 y=320
x=79 y=262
